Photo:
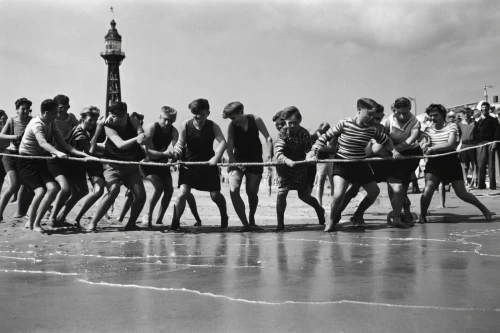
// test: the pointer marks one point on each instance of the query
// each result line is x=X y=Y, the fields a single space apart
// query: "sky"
x=320 y=56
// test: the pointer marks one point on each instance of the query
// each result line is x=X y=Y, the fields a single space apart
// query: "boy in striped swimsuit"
x=353 y=135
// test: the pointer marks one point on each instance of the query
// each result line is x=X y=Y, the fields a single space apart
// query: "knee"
x=252 y=194
x=113 y=191
x=373 y=192
x=234 y=189
x=52 y=190
x=215 y=195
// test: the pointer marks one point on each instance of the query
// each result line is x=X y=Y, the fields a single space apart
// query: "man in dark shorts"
x=243 y=145
x=195 y=144
x=162 y=133
x=125 y=135
x=39 y=139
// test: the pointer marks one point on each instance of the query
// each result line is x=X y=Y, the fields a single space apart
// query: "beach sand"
x=437 y=277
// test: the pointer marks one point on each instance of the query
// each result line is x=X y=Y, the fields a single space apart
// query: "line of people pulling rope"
x=61 y=182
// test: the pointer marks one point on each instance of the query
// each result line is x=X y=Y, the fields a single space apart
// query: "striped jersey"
x=352 y=138
x=439 y=137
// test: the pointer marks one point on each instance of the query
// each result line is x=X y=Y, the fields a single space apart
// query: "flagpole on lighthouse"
x=112 y=12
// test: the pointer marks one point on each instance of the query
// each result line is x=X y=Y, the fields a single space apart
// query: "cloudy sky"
x=320 y=56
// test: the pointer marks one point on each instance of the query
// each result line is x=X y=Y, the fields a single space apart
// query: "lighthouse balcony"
x=113 y=52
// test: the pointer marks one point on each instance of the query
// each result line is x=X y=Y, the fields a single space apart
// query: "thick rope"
x=372 y=159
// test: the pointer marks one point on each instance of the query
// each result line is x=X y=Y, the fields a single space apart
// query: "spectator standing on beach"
x=196 y=139
x=243 y=145
x=486 y=130
x=468 y=158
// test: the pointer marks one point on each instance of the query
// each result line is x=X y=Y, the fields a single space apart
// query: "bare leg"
x=220 y=201
x=113 y=191
x=280 y=208
x=397 y=201
x=12 y=188
x=340 y=185
x=350 y=194
x=139 y=194
x=306 y=197
x=168 y=190
x=23 y=201
x=372 y=192
x=442 y=197
x=126 y=206
x=321 y=188
x=462 y=193
x=76 y=195
x=39 y=195
x=61 y=199
x=180 y=204
x=252 y=188
x=50 y=196
x=194 y=209
x=431 y=184
x=91 y=198
x=153 y=199
x=235 y=179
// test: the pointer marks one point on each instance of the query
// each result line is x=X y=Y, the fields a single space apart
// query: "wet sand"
x=438 y=277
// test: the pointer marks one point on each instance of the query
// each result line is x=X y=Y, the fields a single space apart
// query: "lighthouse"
x=113 y=56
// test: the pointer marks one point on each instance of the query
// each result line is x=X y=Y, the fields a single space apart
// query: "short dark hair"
x=48 y=105
x=198 y=105
x=61 y=99
x=366 y=103
x=278 y=116
x=379 y=108
x=487 y=104
x=118 y=108
x=402 y=102
x=22 y=101
x=137 y=116
x=232 y=108
x=291 y=111
x=436 y=107
x=3 y=113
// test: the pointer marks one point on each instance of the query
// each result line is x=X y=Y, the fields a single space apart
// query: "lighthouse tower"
x=113 y=56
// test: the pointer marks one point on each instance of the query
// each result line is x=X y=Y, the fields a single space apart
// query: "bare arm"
x=219 y=151
x=6 y=129
x=415 y=134
x=66 y=147
x=181 y=142
x=230 y=143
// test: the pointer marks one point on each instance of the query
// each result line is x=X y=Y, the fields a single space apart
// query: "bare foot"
x=224 y=221
x=359 y=220
x=422 y=219
x=488 y=216
x=330 y=226
x=131 y=227
x=39 y=229
x=91 y=228
x=245 y=228
x=27 y=225
x=390 y=217
x=321 y=216
x=280 y=228
x=197 y=224
x=398 y=224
